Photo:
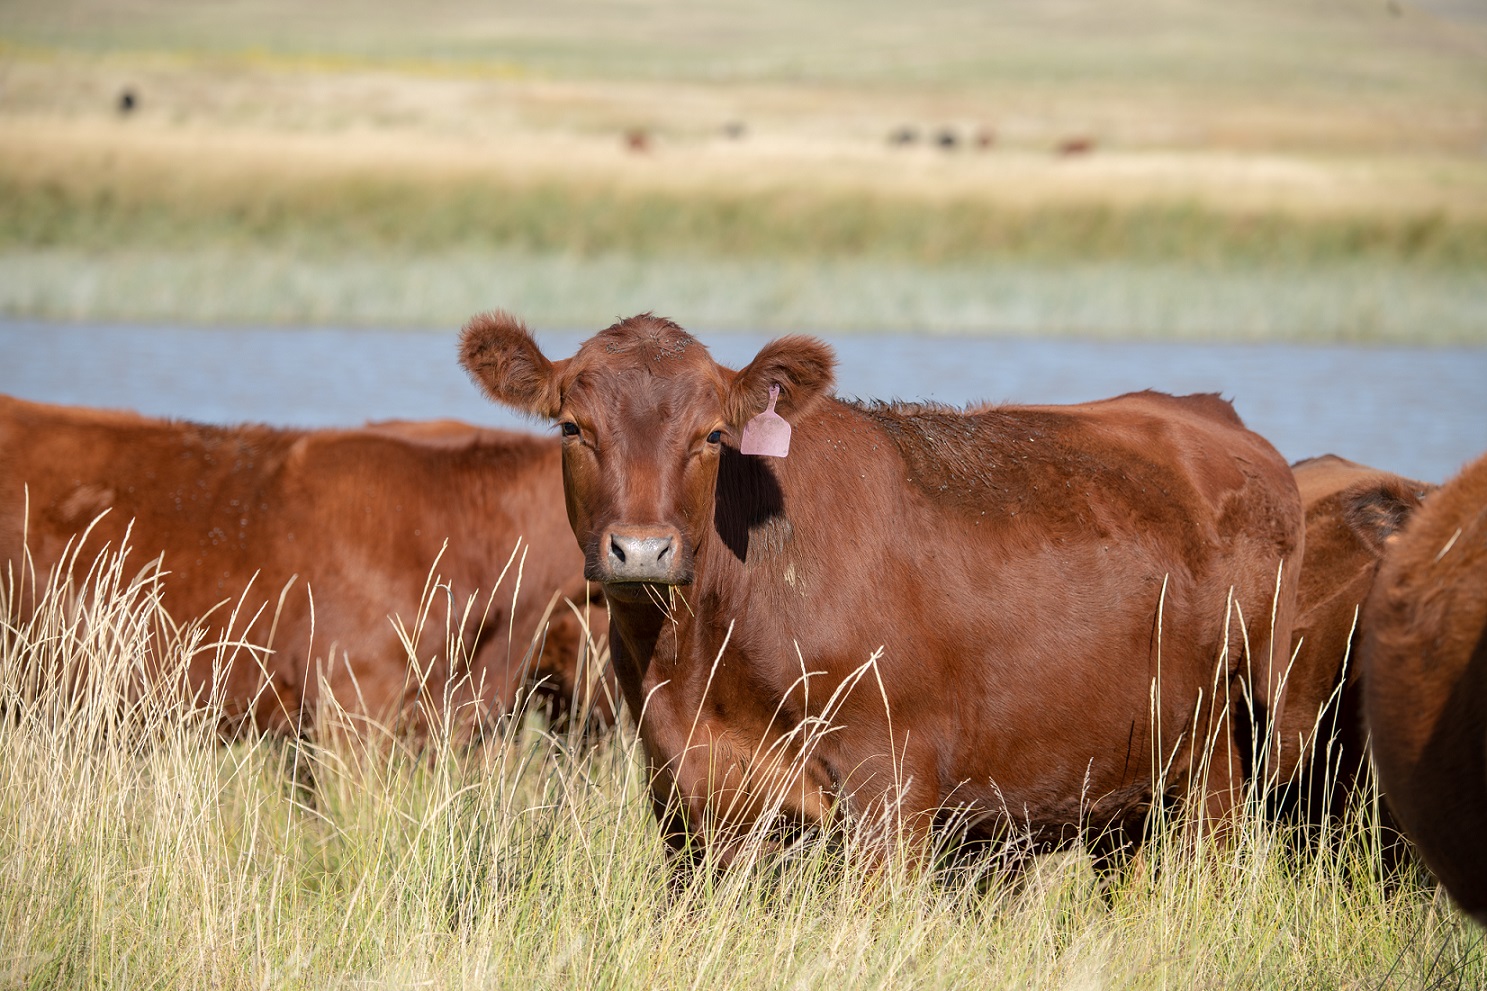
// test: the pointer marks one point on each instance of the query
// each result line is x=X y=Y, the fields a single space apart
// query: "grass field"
x=1266 y=171
x=137 y=851
x=282 y=160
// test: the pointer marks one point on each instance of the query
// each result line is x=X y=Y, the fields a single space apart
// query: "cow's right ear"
x=498 y=351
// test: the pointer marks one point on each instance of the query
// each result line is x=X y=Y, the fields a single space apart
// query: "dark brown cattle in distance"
x=351 y=523
x=982 y=604
x=1424 y=658
x=1351 y=511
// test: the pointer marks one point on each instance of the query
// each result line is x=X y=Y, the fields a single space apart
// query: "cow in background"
x=1351 y=512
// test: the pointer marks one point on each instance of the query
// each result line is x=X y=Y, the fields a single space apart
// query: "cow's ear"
x=498 y=351
x=803 y=367
x=1377 y=512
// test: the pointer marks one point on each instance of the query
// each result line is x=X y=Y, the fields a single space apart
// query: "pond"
x=1420 y=412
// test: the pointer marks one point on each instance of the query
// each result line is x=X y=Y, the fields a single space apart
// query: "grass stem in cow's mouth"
x=640 y=591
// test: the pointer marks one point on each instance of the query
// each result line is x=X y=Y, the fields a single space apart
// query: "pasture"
x=1158 y=169
x=137 y=851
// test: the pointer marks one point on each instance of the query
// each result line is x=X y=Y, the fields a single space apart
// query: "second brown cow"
x=411 y=570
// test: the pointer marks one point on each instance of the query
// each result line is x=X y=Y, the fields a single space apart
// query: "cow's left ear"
x=498 y=351
x=803 y=367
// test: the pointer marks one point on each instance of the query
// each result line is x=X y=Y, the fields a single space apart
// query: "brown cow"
x=1424 y=657
x=982 y=604
x=1351 y=511
x=350 y=522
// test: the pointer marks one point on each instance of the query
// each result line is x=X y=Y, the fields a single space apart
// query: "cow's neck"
x=635 y=629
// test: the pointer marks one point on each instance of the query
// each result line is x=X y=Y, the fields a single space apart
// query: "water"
x=1419 y=412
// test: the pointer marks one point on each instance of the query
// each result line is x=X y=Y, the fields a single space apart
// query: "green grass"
x=322 y=216
x=1357 y=303
x=135 y=851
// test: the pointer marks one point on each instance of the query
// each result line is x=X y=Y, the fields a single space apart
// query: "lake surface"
x=1419 y=412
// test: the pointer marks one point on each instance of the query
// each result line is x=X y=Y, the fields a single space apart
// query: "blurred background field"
x=1158 y=169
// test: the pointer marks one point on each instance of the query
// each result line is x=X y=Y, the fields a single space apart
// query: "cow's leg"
x=1113 y=849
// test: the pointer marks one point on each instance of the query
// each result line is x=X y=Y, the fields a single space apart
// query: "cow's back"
x=479 y=509
x=202 y=494
x=1199 y=504
x=1031 y=575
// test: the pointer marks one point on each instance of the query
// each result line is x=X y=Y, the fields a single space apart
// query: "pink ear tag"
x=768 y=433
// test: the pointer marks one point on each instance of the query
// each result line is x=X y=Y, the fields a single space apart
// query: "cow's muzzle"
x=650 y=554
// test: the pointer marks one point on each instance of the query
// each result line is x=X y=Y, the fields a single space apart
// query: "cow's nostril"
x=616 y=550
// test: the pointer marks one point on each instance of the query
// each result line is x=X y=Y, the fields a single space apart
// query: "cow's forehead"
x=645 y=349
x=645 y=339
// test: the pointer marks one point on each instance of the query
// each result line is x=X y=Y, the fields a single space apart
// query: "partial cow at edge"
x=1351 y=512
x=320 y=557
x=1035 y=621
x=1425 y=683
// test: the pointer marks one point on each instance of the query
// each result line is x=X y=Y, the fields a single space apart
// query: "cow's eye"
x=715 y=437
x=570 y=429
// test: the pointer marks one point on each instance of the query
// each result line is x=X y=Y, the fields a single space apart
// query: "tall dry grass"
x=137 y=851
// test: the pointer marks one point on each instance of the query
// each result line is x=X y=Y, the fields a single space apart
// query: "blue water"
x=1419 y=412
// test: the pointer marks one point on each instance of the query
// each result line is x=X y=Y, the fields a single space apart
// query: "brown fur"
x=1011 y=564
x=351 y=521
x=1351 y=511
x=1424 y=657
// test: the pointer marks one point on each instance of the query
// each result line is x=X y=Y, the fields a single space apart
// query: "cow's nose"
x=641 y=558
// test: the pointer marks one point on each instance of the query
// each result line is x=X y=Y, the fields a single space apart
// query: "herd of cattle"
x=1052 y=619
